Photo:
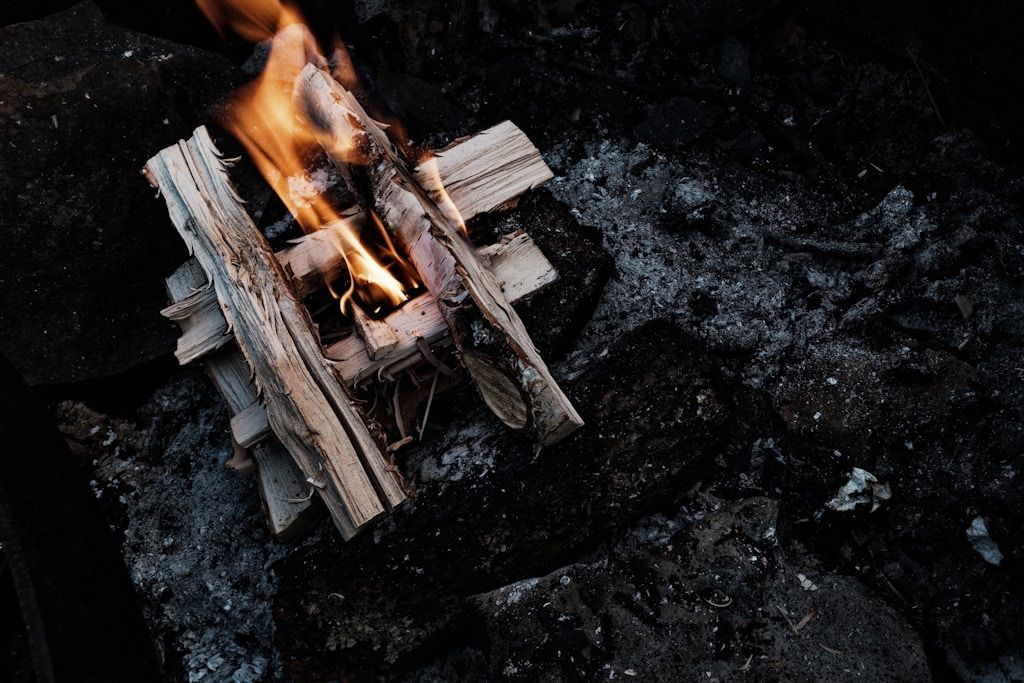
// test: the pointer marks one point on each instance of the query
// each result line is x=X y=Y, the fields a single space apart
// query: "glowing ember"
x=264 y=118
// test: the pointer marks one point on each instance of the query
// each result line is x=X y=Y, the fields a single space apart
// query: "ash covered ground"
x=791 y=262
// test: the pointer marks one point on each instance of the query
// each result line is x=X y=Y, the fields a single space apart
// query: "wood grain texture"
x=306 y=406
x=492 y=342
x=488 y=169
x=250 y=426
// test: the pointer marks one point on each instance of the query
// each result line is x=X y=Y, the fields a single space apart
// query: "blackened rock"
x=419 y=105
x=748 y=145
x=576 y=253
x=695 y=597
x=491 y=509
x=867 y=407
x=699 y=21
x=734 y=62
x=86 y=244
x=673 y=125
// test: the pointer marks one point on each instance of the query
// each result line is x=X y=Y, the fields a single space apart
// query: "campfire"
x=419 y=305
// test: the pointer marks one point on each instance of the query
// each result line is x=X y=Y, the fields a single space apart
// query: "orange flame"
x=264 y=118
x=254 y=20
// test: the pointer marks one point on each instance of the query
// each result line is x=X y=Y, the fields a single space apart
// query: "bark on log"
x=306 y=407
x=492 y=342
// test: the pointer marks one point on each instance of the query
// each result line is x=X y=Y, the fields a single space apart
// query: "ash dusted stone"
x=86 y=245
x=688 y=205
x=702 y=595
x=421 y=106
x=491 y=509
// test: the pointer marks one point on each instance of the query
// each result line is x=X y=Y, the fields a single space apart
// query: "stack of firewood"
x=240 y=306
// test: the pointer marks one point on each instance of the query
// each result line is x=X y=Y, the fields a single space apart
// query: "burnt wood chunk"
x=492 y=342
x=306 y=406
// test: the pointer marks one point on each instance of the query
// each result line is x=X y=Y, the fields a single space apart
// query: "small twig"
x=395 y=403
x=429 y=356
x=803 y=622
x=398 y=444
x=430 y=401
x=315 y=484
x=826 y=648
x=792 y=626
x=305 y=499
x=927 y=88
x=893 y=588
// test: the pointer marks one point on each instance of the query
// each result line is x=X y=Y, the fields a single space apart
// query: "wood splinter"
x=490 y=337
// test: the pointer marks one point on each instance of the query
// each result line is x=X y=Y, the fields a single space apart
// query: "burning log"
x=306 y=406
x=492 y=342
x=239 y=306
x=481 y=173
x=517 y=263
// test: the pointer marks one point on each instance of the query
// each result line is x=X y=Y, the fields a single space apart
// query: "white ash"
x=195 y=543
x=735 y=265
x=651 y=279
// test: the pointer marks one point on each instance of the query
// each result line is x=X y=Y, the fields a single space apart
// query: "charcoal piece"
x=555 y=316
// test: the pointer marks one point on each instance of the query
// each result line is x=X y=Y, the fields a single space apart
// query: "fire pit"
x=236 y=289
x=768 y=254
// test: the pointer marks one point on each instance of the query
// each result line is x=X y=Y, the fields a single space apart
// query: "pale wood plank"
x=379 y=338
x=519 y=266
x=488 y=169
x=250 y=426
